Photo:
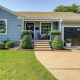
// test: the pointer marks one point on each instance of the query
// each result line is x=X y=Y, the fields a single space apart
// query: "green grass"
x=22 y=65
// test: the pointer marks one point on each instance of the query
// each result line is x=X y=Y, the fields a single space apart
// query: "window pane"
x=45 y=27
x=2 y=26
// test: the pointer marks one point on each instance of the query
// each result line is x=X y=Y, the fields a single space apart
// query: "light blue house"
x=11 y=24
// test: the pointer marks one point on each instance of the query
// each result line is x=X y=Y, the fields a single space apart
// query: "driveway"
x=63 y=65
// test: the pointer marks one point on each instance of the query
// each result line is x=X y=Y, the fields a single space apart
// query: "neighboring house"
x=14 y=22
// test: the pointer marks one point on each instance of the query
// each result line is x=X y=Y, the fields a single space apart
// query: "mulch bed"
x=18 y=48
x=62 y=50
x=25 y=49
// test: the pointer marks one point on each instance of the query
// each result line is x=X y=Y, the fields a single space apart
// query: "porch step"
x=42 y=46
x=42 y=49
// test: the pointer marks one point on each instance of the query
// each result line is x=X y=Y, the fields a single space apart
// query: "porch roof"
x=62 y=15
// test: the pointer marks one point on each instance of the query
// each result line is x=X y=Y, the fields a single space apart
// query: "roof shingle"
x=62 y=15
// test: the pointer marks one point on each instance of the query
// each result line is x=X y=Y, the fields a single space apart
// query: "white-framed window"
x=3 y=26
x=45 y=27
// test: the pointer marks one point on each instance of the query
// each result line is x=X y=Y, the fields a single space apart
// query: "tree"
x=74 y=8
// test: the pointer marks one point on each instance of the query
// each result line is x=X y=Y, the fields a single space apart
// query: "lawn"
x=22 y=65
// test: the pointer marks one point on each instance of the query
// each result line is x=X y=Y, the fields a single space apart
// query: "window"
x=45 y=27
x=3 y=26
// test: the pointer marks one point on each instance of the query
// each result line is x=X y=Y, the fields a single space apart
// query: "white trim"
x=70 y=20
x=6 y=27
x=9 y=10
x=34 y=27
x=67 y=26
x=60 y=25
x=45 y=22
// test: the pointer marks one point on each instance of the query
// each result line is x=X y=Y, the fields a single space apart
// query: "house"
x=13 y=22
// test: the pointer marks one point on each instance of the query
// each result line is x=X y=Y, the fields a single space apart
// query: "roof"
x=9 y=10
x=62 y=15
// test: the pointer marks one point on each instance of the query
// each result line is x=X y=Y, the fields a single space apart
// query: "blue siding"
x=57 y=26
x=13 y=32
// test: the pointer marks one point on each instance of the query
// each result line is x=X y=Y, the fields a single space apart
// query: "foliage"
x=26 y=31
x=2 y=45
x=68 y=40
x=74 y=8
x=22 y=65
x=10 y=44
x=25 y=42
x=55 y=32
x=57 y=43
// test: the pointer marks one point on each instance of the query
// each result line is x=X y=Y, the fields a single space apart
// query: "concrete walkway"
x=63 y=65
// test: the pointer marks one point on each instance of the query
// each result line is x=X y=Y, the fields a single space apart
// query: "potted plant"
x=26 y=32
x=55 y=33
x=68 y=42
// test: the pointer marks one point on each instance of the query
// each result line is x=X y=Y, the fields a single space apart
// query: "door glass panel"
x=77 y=36
x=70 y=33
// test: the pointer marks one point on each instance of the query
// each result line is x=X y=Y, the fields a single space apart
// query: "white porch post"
x=60 y=24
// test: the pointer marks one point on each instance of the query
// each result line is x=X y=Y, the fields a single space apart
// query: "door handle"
x=73 y=36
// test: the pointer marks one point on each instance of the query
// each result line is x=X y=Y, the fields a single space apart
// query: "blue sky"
x=35 y=5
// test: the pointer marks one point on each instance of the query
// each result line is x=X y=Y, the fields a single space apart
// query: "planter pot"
x=68 y=45
x=29 y=35
x=53 y=36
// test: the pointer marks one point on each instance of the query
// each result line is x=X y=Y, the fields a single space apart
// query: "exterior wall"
x=55 y=25
x=68 y=25
x=13 y=32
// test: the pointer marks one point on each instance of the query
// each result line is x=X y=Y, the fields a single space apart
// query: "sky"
x=36 y=5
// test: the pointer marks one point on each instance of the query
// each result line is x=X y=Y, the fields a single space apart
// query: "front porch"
x=41 y=28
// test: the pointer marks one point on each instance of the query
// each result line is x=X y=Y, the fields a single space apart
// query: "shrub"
x=57 y=43
x=10 y=44
x=55 y=32
x=26 y=31
x=2 y=45
x=25 y=42
x=68 y=40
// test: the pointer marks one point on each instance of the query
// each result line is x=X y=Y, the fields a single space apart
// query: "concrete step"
x=41 y=46
x=42 y=49
x=41 y=43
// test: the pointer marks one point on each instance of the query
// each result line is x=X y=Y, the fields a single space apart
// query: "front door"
x=74 y=34
x=30 y=26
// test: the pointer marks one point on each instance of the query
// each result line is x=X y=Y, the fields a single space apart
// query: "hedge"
x=55 y=32
x=26 y=31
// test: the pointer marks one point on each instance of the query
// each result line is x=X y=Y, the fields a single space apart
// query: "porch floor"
x=41 y=41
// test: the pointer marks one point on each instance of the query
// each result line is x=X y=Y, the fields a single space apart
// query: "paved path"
x=63 y=65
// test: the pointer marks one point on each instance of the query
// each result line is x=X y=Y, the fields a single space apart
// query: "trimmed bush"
x=68 y=40
x=25 y=43
x=55 y=32
x=26 y=31
x=57 y=43
x=10 y=44
x=2 y=45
